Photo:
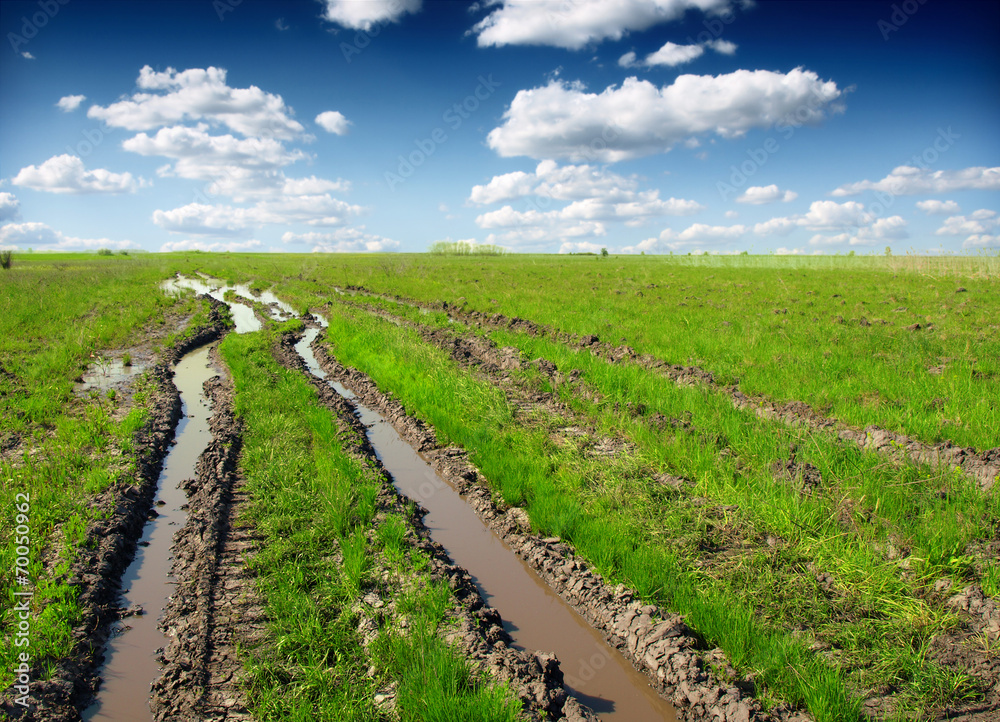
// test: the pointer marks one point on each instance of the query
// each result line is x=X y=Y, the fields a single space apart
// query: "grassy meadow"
x=822 y=570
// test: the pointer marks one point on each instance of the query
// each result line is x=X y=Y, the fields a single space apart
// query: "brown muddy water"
x=534 y=615
x=130 y=665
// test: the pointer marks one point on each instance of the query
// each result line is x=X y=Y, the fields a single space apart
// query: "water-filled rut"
x=534 y=615
x=130 y=664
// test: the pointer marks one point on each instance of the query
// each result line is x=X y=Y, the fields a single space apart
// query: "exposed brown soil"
x=655 y=641
x=983 y=466
x=121 y=512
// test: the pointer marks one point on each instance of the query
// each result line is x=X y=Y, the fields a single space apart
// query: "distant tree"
x=604 y=251
x=6 y=259
x=104 y=252
x=888 y=251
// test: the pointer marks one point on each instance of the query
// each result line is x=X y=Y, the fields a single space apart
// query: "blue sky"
x=657 y=126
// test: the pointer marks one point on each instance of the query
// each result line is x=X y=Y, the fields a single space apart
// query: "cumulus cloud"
x=758 y=195
x=201 y=156
x=938 y=207
x=580 y=247
x=241 y=168
x=909 y=180
x=69 y=103
x=562 y=120
x=575 y=24
x=363 y=15
x=40 y=236
x=725 y=47
x=694 y=237
x=594 y=195
x=977 y=223
x=172 y=96
x=10 y=207
x=576 y=183
x=672 y=54
x=201 y=219
x=856 y=226
x=342 y=240
x=981 y=241
x=333 y=121
x=216 y=247
x=66 y=174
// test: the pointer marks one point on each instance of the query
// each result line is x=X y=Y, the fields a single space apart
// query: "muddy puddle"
x=534 y=615
x=243 y=315
x=130 y=661
x=106 y=374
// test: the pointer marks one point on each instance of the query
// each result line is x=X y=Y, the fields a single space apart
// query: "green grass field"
x=821 y=569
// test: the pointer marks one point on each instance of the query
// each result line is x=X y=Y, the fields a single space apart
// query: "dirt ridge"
x=656 y=642
x=204 y=621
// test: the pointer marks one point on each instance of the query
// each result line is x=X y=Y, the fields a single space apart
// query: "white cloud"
x=594 y=194
x=627 y=60
x=365 y=14
x=580 y=247
x=575 y=23
x=200 y=219
x=979 y=222
x=789 y=251
x=201 y=156
x=615 y=194
x=881 y=230
x=909 y=180
x=27 y=56
x=725 y=47
x=198 y=94
x=694 y=237
x=342 y=240
x=776 y=227
x=333 y=121
x=562 y=120
x=672 y=55
x=66 y=174
x=830 y=214
x=10 y=207
x=241 y=168
x=40 y=236
x=217 y=247
x=981 y=241
x=758 y=195
x=69 y=103
x=938 y=207
x=732 y=214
